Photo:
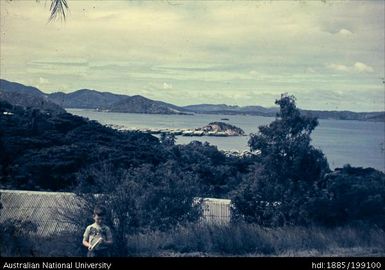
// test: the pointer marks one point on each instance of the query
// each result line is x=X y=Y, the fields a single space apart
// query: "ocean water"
x=357 y=143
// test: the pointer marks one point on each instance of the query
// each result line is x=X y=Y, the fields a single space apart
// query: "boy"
x=97 y=236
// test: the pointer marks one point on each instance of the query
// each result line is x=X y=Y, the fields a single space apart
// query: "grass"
x=215 y=240
x=253 y=240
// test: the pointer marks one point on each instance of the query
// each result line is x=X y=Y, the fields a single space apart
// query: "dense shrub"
x=15 y=238
x=351 y=195
x=140 y=199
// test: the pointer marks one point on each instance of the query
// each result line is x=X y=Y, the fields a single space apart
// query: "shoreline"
x=187 y=132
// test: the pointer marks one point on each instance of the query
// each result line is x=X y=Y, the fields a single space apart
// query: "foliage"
x=58 y=9
x=167 y=139
x=141 y=199
x=16 y=235
x=43 y=151
x=285 y=145
x=276 y=190
x=351 y=195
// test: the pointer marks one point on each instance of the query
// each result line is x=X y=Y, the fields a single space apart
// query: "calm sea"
x=358 y=143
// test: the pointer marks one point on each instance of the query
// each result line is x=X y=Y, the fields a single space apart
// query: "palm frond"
x=58 y=9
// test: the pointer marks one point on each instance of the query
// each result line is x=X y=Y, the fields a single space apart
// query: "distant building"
x=215 y=211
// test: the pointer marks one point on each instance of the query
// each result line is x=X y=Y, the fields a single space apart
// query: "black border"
x=236 y=263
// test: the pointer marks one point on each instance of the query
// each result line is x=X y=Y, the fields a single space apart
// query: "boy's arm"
x=85 y=238
x=86 y=244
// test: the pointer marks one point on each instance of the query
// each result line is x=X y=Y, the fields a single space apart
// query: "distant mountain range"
x=27 y=96
x=272 y=111
x=229 y=109
x=88 y=99
x=85 y=99
x=92 y=99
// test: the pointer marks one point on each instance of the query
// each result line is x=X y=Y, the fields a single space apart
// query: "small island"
x=217 y=129
x=221 y=128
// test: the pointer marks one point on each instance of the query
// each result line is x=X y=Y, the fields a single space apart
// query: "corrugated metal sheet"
x=216 y=211
x=41 y=208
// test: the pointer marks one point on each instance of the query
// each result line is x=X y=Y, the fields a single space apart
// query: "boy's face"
x=98 y=219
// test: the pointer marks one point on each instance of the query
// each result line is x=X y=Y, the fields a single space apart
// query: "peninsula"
x=217 y=129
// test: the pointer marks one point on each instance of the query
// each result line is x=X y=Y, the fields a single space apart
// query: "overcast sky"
x=329 y=54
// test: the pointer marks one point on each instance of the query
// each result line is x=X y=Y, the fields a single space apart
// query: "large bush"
x=351 y=195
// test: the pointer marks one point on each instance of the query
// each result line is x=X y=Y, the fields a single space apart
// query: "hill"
x=13 y=87
x=85 y=99
x=231 y=109
x=139 y=104
x=262 y=111
x=32 y=101
x=347 y=115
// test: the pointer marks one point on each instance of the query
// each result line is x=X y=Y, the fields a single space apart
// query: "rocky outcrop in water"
x=218 y=128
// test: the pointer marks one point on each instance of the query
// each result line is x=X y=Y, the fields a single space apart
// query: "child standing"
x=97 y=236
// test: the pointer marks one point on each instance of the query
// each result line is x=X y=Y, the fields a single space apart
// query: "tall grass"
x=216 y=240
x=253 y=240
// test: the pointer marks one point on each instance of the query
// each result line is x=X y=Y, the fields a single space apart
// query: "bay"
x=358 y=143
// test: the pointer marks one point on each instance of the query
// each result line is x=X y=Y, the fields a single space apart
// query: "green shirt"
x=94 y=232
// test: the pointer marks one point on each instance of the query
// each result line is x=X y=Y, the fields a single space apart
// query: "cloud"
x=43 y=80
x=344 y=32
x=167 y=86
x=361 y=67
x=358 y=67
x=338 y=67
x=310 y=70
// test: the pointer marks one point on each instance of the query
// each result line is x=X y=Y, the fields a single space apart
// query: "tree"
x=285 y=145
x=58 y=9
x=167 y=139
x=276 y=191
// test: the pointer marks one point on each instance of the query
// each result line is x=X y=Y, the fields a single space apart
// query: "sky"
x=329 y=54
